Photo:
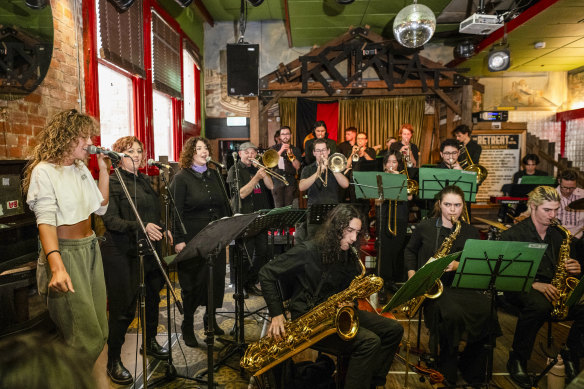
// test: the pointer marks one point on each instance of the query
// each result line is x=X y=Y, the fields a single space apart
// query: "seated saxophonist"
x=317 y=269
x=456 y=311
x=536 y=305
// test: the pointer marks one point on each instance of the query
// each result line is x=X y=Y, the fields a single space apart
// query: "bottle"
x=556 y=377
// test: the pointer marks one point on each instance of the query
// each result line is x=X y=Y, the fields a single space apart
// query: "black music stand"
x=208 y=244
x=497 y=266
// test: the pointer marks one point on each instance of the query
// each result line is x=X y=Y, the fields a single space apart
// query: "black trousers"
x=284 y=195
x=193 y=277
x=256 y=252
x=535 y=311
x=371 y=350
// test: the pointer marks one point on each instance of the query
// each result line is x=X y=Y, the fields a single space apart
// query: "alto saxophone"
x=411 y=307
x=561 y=281
x=323 y=320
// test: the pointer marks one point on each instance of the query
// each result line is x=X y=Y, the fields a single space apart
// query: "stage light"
x=498 y=59
x=464 y=49
x=414 y=25
x=36 y=4
x=122 y=5
x=255 y=3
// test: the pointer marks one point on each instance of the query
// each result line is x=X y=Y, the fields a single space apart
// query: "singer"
x=120 y=257
x=63 y=195
x=200 y=199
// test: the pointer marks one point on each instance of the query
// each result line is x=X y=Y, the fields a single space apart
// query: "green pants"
x=80 y=316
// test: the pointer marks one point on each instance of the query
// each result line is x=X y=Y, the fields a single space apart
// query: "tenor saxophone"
x=410 y=308
x=323 y=320
x=561 y=281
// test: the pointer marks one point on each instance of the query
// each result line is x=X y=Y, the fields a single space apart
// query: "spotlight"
x=255 y=3
x=122 y=5
x=498 y=59
x=184 y=3
x=36 y=4
x=464 y=49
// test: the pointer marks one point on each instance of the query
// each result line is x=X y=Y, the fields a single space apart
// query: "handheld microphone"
x=209 y=160
x=159 y=165
x=112 y=154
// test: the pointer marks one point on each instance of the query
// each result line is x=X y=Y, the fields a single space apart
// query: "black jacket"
x=257 y=199
x=309 y=150
x=474 y=150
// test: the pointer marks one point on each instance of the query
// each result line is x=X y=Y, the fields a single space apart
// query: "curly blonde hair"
x=57 y=139
x=188 y=151
x=125 y=143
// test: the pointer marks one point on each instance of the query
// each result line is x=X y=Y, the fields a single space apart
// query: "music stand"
x=208 y=243
x=433 y=180
x=497 y=266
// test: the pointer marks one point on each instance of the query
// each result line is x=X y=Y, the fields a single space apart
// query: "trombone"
x=270 y=159
x=336 y=163
x=412 y=189
x=470 y=166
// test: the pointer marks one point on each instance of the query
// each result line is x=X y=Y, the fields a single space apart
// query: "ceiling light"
x=36 y=4
x=255 y=3
x=122 y=5
x=414 y=25
x=498 y=59
x=464 y=49
x=345 y=2
x=539 y=45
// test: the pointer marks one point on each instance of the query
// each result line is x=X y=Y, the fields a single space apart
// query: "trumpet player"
x=405 y=145
x=462 y=134
x=288 y=165
x=457 y=310
x=536 y=305
x=314 y=271
x=361 y=152
x=449 y=152
x=346 y=147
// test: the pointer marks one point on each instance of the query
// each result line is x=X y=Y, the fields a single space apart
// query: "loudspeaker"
x=242 y=69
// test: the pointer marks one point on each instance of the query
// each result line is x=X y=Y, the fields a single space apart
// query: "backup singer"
x=456 y=311
x=252 y=189
x=317 y=269
x=200 y=199
x=120 y=257
x=405 y=144
x=535 y=306
x=63 y=195
x=288 y=166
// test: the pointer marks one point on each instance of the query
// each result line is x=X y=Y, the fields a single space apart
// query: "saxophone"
x=323 y=320
x=411 y=307
x=561 y=281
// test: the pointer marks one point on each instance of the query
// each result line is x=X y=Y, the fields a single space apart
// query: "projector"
x=480 y=24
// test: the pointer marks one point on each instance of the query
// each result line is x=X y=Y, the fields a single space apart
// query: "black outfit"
x=474 y=150
x=284 y=195
x=522 y=173
x=535 y=308
x=345 y=148
x=256 y=247
x=456 y=311
x=396 y=146
x=392 y=246
x=120 y=258
x=199 y=199
x=309 y=149
x=311 y=282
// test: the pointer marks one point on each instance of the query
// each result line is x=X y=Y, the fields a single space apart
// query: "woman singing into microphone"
x=121 y=263
x=200 y=198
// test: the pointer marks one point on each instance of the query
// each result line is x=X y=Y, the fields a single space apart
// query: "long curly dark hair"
x=188 y=151
x=330 y=234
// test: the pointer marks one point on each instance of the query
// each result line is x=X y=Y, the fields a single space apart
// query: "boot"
x=155 y=350
x=118 y=373
x=216 y=329
x=518 y=371
x=188 y=333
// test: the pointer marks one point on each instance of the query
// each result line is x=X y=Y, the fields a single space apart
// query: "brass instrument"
x=320 y=322
x=407 y=159
x=270 y=159
x=561 y=281
x=354 y=154
x=411 y=307
x=412 y=184
x=470 y=166
x=290 y=154
x=336 y=163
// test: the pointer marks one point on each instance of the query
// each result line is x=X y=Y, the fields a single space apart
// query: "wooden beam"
x=205 y=12
x=366 y=92
x=287 y=24
x=447 y=100
x=273 y=100
x=377 y=84
x=254 y=121
x=466 y=105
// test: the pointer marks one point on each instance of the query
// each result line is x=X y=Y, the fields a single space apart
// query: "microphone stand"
x=142 y=249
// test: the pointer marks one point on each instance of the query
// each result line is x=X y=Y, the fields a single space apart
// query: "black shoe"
x=570 y=364
x=252 y=289
x=118 y=373
x=188 y=334
x=216 y=329
x=155 y=350
x=518 y=372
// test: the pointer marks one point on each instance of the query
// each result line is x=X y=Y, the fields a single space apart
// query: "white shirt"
x=63 y=195
x=572 y=219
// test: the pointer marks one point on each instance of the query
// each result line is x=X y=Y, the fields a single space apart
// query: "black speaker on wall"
x=243 y=69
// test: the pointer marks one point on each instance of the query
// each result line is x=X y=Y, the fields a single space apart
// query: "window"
x=190 y=97
x=163 y=133
x=116 y=104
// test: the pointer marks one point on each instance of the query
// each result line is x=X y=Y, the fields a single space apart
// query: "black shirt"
x=289 y=172
x=317 y=192
x=306 y=280
x=427 y=238
x=522 y=173
x=396 y=146
x=525 y=231
x=364 y=164
x=257 y=199
x=474 y=150
x=309 y=148
x=345 y=148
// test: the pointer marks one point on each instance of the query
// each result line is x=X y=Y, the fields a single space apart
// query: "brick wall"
x=21 y=120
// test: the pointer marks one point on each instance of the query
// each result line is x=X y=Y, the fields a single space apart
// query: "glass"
x=162 y=125
x=116 y=105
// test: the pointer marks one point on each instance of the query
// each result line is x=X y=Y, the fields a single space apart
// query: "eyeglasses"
x=452 y=153
x=567 y=187
x=320 y=151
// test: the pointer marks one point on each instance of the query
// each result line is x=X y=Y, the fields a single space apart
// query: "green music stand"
x=538 y=180
x=433 y=180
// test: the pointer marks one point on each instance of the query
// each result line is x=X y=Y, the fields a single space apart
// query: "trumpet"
x=407 y=159
x=290 y=154
x=470 y=166
x=411 y=184
x=270 y=159
x=354 y=153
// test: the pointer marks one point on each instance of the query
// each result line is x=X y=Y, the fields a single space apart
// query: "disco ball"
x=414 y=25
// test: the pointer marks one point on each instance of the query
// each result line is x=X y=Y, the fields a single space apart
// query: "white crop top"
x=63 y=195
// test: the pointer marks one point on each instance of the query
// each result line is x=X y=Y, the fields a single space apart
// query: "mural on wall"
x=576 y=89
x=271 y=36
x=531 y=91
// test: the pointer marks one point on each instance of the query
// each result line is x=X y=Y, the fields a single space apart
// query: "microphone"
x=100 y=150
x=159 y=165
x=209 y=160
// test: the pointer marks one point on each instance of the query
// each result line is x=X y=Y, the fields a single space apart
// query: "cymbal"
x=497 y=225
x=578 y=204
